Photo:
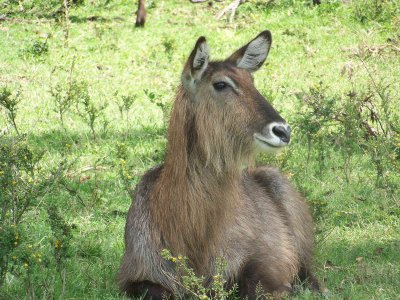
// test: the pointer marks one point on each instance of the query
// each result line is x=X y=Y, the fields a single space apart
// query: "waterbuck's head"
x=226 y=117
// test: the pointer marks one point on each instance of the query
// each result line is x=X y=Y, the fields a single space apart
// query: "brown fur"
x=202 y=203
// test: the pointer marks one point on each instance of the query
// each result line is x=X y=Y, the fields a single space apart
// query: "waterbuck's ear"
x=252 y=56
x=196 y=64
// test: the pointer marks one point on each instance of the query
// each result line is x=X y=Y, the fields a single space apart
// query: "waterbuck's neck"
x=195 y=196
x=198 y=145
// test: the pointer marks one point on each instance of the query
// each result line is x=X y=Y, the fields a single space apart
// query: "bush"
x=365 y=11
x=23 y=182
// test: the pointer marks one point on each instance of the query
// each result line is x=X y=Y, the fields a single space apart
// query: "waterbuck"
x=206 y=201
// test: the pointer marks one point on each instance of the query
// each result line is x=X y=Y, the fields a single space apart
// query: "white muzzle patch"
x=274 y=136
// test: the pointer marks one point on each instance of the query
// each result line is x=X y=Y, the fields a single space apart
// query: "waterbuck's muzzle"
x=273 y=136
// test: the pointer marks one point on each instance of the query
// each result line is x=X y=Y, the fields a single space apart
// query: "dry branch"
x=230 y=8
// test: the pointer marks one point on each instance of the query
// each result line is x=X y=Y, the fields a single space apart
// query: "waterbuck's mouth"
x=274 y=136
x=268 y=143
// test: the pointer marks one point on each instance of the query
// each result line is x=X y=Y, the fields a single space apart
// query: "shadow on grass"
x=95 y=18
x=58 y=140
x=95 y=177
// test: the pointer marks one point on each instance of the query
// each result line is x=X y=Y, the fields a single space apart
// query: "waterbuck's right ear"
x=196 y=65
x=252 y=56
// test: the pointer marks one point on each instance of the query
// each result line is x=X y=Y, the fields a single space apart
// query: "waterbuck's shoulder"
x=146 y=183
x=137 y=222
x=271 y=180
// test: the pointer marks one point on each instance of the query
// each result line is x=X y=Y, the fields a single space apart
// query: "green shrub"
x=23 y=182
x=69 y=94
x=10 y=103
x=375 y=10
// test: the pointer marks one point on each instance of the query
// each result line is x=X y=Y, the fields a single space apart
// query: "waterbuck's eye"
x=220 y=85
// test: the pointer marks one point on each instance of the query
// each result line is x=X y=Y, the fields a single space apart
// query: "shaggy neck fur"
x=199 y=187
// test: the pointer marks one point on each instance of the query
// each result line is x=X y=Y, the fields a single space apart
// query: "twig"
x=66 y=13
x=12 y=113
x=374 y=84
x=373 y=50
x=74 y=193
x=63 y=282
x=86 y=169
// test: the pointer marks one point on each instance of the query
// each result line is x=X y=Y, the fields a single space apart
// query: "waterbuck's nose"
x=282 y=131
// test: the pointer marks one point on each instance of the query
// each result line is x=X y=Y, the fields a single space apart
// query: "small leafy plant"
x=125 y=103
x=319 y=113
x=169 y=45
x=10 y=102
x=194 y=286
x=37 y=49
x=65 y=95
x=61 y=243
x=158 y=101
x=89 y=112
x=123 y=167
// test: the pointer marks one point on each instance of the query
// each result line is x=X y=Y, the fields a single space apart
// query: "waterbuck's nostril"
x=283 y=132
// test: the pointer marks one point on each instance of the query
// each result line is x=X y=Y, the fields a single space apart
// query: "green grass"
x=357 y=219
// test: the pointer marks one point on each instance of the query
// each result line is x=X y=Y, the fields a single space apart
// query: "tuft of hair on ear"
x=253 y=55
x=196 y=64
x=201 y=54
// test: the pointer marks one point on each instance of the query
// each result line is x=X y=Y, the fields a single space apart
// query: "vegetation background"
x=84 y=103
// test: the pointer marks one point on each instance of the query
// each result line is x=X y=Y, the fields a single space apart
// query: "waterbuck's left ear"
x=252 y=56
x=196 y=64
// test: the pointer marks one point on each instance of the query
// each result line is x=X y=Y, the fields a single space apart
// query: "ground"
x=332 y=73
